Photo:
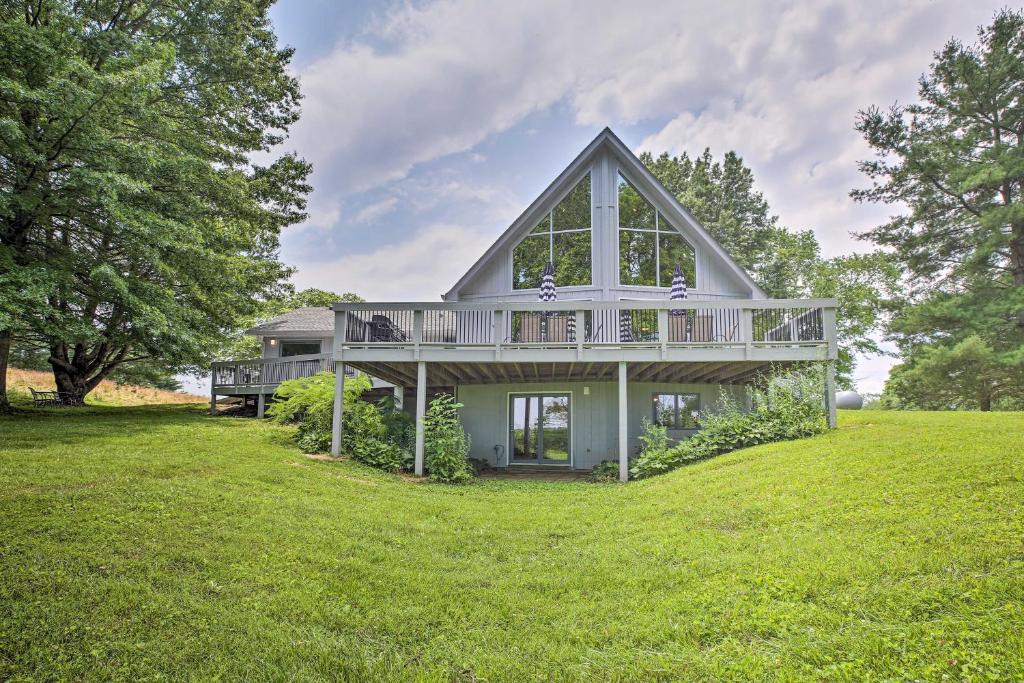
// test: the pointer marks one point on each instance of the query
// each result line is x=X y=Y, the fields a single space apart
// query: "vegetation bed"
x=159 y=542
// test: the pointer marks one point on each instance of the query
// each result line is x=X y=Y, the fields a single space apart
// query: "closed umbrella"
x=547 y=284
x=678 y=293
x=678 y=289
x=625 y=326
x=548 y=293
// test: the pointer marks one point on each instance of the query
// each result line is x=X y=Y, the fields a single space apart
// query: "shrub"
x=447 y=445
x=604 y=472
x=309 y=403
x=654 y=437
x=787 y=405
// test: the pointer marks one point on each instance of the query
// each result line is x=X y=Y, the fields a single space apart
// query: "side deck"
x=263 y=375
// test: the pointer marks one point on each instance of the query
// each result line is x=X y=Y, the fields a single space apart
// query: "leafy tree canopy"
x=140 y=186
x=723 y=197
x=955 y=160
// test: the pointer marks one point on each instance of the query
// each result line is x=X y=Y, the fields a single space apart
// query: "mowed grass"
x=161 y=543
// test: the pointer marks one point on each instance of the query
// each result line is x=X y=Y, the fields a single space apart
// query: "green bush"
x=787 y=406
x=447 y=444
x=366 y=432
x=654 y=437
x=604 y=472
x=309 y=403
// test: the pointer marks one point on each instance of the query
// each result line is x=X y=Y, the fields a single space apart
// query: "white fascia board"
x=668 y=201
x=526 y=219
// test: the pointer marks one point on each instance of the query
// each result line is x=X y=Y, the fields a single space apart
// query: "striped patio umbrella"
x=625 y=326
x=547 y=284
x=678 y=289
x=548 y=293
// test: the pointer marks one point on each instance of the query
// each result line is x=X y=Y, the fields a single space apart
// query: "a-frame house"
x=566 y=383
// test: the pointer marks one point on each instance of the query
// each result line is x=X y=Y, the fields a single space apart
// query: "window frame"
x=657 y=232
x=281 y=342
x=551 y=233
x=677 y=424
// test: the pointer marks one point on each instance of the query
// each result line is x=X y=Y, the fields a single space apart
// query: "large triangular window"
x=649 y=246
x=563 y=237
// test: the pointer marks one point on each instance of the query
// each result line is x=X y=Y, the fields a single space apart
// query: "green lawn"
x=162 y=543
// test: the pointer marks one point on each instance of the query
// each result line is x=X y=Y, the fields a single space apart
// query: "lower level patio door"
x=539 y=429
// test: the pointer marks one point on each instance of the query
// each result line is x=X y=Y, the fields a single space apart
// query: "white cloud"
x=778 y=81
x=324 y=212
x=419 y=268
x=372 y=212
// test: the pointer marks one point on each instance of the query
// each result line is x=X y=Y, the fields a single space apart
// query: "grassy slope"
x=145 y=541
x=107 y=393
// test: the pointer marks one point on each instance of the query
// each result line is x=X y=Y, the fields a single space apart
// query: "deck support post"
x=623 y=428
x=830 y=393
x=339 y=407
x=261 y=404
x=399 y=393
x=421 y=411
x=213 y=390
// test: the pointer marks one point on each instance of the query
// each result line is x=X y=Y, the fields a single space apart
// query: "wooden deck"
x=725 y=340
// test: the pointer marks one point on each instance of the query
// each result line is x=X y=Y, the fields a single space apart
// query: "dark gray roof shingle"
x=319 y=319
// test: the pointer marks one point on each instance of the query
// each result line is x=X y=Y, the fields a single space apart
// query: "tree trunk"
x=5 y=352
x=985 y=401
x=72 y=383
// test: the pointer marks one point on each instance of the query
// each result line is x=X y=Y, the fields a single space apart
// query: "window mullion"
x=657 y=249
x=551 y=236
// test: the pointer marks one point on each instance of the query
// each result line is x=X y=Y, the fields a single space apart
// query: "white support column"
x=417 y=332
x=581 y=332
x=499 y=332
x=623 y=427
x=421 y=410
x=339 y=408
x=747 y=331
x=213 y=392
x=261 y=404
x=399 y=393
x=830 y=393
x=663 y=332
x=828 y=319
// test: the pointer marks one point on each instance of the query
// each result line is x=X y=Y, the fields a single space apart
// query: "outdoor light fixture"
x=273 y=342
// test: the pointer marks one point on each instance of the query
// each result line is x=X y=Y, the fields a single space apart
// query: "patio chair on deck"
x=382 y=329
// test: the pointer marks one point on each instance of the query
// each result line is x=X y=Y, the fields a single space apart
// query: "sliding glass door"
x=539 y=429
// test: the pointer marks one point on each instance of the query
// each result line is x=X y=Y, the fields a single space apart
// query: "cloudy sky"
x=431 y=125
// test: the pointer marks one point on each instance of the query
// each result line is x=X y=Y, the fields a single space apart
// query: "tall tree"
x=721 y=195
x=128 y=130
x=955 y=160
x=968 y=375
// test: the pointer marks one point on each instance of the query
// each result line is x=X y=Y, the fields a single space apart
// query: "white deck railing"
x=591 y=324
x=268 y=371
x=563 y=331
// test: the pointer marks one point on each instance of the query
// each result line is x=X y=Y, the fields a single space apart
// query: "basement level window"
x=677 y=411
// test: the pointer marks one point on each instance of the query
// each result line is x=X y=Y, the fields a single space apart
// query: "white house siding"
x=593 y=417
